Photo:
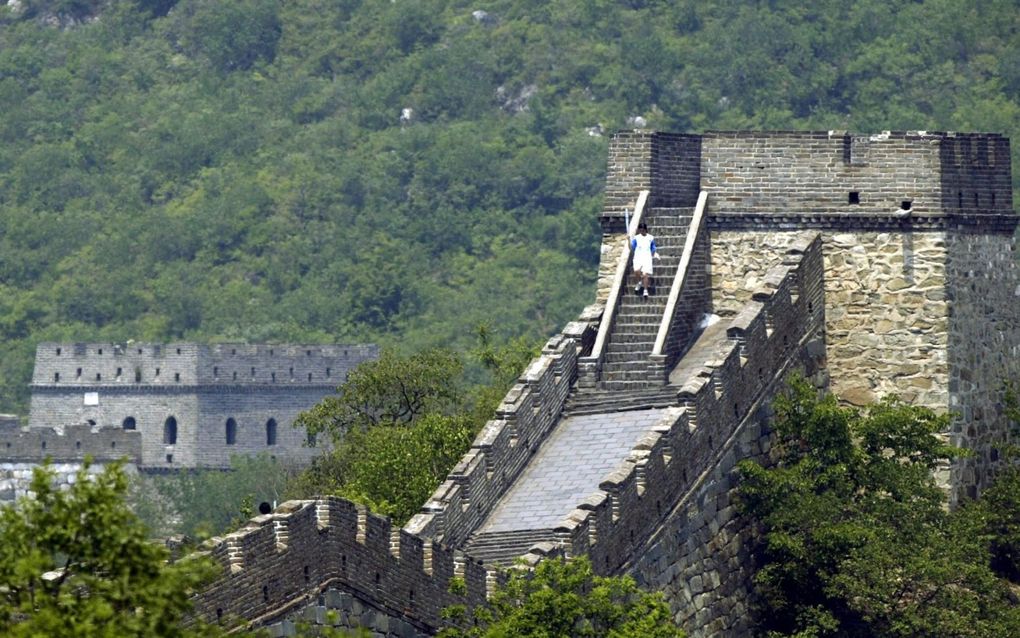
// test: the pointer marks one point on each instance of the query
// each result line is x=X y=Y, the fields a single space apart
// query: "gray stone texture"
x=200 y=387
x=571 y=463
x=849 y=289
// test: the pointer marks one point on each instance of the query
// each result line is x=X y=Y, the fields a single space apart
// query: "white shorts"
x=643 y=263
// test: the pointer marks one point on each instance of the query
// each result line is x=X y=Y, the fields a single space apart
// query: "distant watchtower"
x=194 y=405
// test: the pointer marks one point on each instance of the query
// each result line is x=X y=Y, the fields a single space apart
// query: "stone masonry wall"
x=22 y=448
x=886 y=309
x=506 y=443
x=975 y=174
x=338 y=608
x=280 y=562
x=200 y=387
x=795 y=173
x=634 y=503
x=701 y=558
x=983 y=293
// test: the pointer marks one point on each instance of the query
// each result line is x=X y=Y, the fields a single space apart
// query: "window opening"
x=170 y=431
x=129 y=423
x=231 y=431
x=854 y=197
x=271 y=432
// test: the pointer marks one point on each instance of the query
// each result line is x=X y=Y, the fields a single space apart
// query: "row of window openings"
x=100 y=351
x=854 y=197
x=308 y=353
x=170 y=431
x=177 y=375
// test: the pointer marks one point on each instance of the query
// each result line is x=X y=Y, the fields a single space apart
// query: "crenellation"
x=194 y=405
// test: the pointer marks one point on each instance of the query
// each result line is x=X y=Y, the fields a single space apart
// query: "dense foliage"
x=78 y=563
x=200 y=503
x=398 y=425
x=402 y=171
x=566 y=598
x=857 y=541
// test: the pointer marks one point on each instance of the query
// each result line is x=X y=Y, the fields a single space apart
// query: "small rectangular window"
x=157 y=372
x=78 y=373
x=177 y=376
x=119 y=372
x=215 y=372
x=99 y=377
x=854 y=198
x=178 y=350
x=58 y=352
x=100 y=351
x=56 y=377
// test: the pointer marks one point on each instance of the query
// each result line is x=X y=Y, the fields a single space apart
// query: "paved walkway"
x=568 y=467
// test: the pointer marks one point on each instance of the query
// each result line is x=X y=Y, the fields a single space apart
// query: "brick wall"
x=620 y=527
x=198 y=386
x=277 y=561
x=975 y=172
x=528 y=412
x=71 y=443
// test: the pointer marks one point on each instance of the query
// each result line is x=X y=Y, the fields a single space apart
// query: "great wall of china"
x=871 y=264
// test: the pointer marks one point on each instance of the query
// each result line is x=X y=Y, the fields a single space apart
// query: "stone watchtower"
x=921 y=283
x=194 y=405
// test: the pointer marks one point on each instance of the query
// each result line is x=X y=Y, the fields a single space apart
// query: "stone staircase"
x=602 y=401
x=502 y=548
x=625 y=367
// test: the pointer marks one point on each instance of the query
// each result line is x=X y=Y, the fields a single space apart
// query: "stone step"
x=626 y=386
x=610 y=373
x=502 y=548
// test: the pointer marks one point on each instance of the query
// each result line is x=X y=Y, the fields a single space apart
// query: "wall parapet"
x=501 y=450
x=786 y=312
x=282 y=560
x=690 y=296
x=68 y=443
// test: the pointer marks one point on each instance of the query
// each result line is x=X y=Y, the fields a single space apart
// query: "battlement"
x=153 y=365
x=846 y=177
x=272 y=563
x=69 y=443
x=765 y=340
x=195 y=405
x=502 y=449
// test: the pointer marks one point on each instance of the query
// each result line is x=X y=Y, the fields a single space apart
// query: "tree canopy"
x=317 y=171
x=398 y=425
x=566 y=598
x=856 y=538
x=77 y=562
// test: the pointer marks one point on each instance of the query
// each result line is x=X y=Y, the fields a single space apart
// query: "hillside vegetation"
x=400 y=172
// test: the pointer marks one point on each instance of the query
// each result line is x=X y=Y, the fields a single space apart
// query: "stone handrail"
x=681 y=273
x=689 y=440
x=501 y=450
x=281 y=560
x=593 y=362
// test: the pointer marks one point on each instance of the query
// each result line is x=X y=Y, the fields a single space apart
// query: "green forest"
x=403 y=172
